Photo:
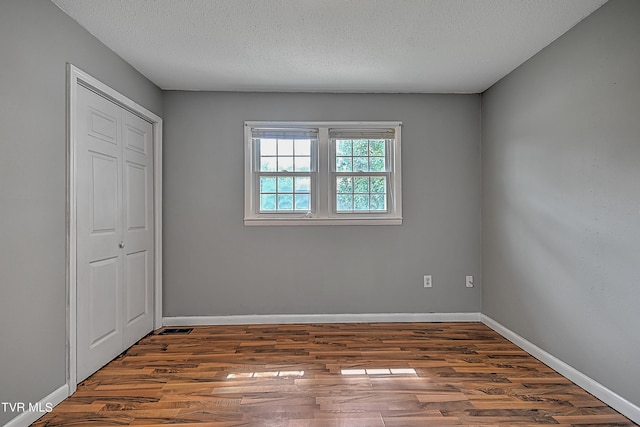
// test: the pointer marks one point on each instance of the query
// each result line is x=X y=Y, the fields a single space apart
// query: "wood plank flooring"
x=370 y=375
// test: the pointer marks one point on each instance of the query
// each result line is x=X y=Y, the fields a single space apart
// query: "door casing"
x=76 y=77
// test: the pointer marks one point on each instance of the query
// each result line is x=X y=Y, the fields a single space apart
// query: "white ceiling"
x=460 y=46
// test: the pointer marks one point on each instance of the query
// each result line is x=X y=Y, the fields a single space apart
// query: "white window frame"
x=323 y=210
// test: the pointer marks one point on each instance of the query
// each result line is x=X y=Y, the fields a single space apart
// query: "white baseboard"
x=267 y=319
x=25 y=419
x=609 y=397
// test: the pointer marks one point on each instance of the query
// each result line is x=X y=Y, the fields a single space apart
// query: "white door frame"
x=76 y=77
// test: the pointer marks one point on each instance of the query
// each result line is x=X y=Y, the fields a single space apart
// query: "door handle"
x=121 y=245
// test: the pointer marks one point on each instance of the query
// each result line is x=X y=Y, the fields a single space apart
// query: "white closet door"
x=138 y=227
x=114 y=231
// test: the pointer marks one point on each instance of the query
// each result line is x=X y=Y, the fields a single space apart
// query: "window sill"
x=252 y=222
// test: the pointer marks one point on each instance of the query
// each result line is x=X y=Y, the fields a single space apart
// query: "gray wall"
x=561 y=198
x=36 y=42
x=214 y=265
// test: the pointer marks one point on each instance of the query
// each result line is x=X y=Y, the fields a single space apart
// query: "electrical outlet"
x=469 y=282
x=427 y=281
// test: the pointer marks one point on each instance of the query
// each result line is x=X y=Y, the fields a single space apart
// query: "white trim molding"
x=270 y=319
x=609 y=397
x=75 y=78
x=27 y=418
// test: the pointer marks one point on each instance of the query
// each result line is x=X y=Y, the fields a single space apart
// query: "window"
x=284 y=169
x=361 y=170
x=318 y=173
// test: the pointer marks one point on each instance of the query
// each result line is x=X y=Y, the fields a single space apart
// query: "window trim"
x=324 y=189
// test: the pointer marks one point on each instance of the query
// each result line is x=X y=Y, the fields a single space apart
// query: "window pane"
x=362 y=193
x=285 y=147
x=378 y=184
x=285 y=193
x=376 y=164
x=343 y=164
x=267 y=202
x=303 y=147
x=302 y=202
x=302 y=164
x=285 y=184
x=376 y=148
x=303 y=184
x=361 y=185
x=268 y=147
x=361 y=164
x=344 y=203
x=285 y=202
x=277 y=155
x=361 y=147
x=378 y=202
x=366 y=155
x=285 y=164
x=268 y=164
x=361 y=202
x=268 y=184
x=343 y=147
x=344 y=184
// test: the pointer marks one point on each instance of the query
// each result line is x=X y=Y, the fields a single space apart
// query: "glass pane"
x=303 y=147
x=303 y=184
x=361 y=164
x=302 y=164
x=360 y=185
x=343 y=147
x=378 y=184
x=268 y=147
x=285 y=202
x=361 y=202
x=376 y=164
x=268 y=164
x=285 y=147
x=344 y=203
x=285 y=184
x=267 y=202
x=344 y=184
x=343 y=164
x=285 y=164
x=302 y=202
x=268 y=184
x=376 y=148
x=361 y=147
x=378 y=202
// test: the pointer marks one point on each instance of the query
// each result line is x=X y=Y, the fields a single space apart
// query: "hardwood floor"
x=392 y=374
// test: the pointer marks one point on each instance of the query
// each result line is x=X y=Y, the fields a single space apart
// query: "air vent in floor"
x=176 y=331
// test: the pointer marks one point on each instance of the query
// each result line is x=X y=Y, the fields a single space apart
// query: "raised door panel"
x=103 y=125
x=138 y=280
x=137 y=135
x=104 y=297
x=137 y=202
x=104 y=192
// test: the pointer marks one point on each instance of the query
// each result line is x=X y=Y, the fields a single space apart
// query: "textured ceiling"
x=460 y=46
